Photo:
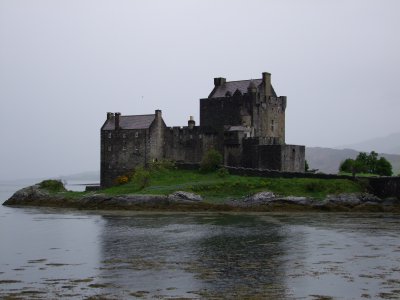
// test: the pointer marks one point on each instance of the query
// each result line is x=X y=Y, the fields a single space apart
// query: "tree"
x=306 y=166
x=383 y=167
x=367 y=163
x=346 y=165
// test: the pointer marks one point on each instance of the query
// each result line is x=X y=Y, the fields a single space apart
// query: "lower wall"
x=385 y=186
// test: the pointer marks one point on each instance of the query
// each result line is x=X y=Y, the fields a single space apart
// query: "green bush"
x=141 y=178
x=52 y=185
x=222 y=172
x=211 y=161
x=162 y=165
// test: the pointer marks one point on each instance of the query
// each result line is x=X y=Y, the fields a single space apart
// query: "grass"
x=359 y=174
x=216 y=189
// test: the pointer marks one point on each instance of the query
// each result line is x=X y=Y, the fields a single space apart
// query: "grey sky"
x=64 y=64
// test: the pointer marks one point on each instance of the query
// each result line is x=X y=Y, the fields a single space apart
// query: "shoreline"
x=34 y=196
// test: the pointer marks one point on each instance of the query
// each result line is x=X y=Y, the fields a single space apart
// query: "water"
x=56 y=253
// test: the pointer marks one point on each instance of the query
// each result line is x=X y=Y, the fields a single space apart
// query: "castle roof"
x=130 y=122
x=230 y=87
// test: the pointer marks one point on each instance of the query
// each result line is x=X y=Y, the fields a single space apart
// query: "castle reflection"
x=193 y=255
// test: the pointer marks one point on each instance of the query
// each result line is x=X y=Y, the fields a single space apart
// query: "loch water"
x=61 y=253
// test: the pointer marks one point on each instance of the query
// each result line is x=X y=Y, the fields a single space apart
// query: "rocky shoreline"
x=185 y=201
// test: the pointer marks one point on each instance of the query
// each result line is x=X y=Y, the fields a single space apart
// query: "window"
x=272 y=125
x=109 y=135
x=124 y=148
x=136 y=134
x=123 y=135
x=109 y=148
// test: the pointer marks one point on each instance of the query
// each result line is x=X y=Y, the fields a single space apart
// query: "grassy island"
x=217 y=186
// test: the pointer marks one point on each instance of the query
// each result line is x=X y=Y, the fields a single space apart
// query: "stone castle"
x=244 y=120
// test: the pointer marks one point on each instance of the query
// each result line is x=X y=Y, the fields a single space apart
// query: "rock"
x=269 y=198
x=261 y=197
x=295 y=200
x=342 y=200
x=365 y=197
x=28 y=194
x=391 y=201
x=180 y=196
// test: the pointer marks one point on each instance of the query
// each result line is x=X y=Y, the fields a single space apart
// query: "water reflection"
x=51 y=254
x=188 y=255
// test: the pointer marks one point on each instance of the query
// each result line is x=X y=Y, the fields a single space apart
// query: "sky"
x=65 y=63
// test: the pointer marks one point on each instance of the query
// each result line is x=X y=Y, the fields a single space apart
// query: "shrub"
x=52 y=185
x=162 y=165
x=222 y=172
x=212 y=159
x=141 y=177
x=122 y=179
x=306 y=166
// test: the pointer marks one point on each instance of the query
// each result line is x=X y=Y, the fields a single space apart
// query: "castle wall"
x=269 y=118
x=293 y=158
x=121 y=151
x=187 y=144
x=156 y=138
x=217 y=112
x=287 y=158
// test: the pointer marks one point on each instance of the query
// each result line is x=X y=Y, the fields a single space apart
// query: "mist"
x=64 y=64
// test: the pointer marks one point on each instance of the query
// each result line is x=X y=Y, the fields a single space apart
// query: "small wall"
x=385 y=187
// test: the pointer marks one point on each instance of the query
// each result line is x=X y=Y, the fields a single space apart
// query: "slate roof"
x=232 y=86
x=130 y=122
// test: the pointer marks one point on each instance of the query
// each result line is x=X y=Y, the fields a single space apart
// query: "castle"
x=244 y=120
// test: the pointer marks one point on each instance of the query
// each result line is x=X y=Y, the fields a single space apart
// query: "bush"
x=222 y=172
x=141 y=178
x=122 y=179
x=162 y=165
x=306 y=166
x=52 y=185
x=211 y=161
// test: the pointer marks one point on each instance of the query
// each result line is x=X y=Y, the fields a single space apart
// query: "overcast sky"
x=65 y=63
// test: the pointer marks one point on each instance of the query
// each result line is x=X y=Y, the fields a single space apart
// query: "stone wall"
x=188 y=144
x=385 y=186
x=121 y=151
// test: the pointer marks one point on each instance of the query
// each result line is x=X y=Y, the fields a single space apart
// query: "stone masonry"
x=244 y=120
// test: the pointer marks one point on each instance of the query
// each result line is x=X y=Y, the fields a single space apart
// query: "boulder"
x=180 y=196
x=342 y=200
x=29 y=194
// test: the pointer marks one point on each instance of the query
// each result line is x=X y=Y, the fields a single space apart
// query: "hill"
x=386 y=144
x=327 y=160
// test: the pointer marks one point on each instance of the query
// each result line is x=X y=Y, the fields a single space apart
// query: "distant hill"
x=386 y=144
x=328 y=160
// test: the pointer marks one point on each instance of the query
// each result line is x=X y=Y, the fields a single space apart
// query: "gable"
x=229 y=88
x=130 y=122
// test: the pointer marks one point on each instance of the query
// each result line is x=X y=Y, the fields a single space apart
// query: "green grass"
x=359 y=174
x=216 y=189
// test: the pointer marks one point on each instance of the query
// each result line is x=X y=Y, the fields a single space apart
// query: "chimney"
x=191 y=122
x=109 y=115
x=158 y=113
x=219 y=81
x=266 y=79
x=117 y=115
